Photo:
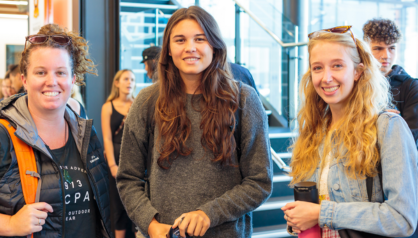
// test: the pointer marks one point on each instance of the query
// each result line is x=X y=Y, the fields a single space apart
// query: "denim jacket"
x=394 y=214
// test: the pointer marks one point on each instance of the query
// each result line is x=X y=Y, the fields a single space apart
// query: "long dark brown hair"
x=220 y=97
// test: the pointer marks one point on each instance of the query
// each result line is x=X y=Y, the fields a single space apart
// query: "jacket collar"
x=15 y=109
x=398 y=73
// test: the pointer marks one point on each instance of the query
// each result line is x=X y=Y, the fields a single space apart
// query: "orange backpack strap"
x=28 y=171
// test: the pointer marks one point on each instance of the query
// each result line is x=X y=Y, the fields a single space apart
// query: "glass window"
x=329 y=13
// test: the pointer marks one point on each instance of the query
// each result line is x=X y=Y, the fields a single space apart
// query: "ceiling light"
x=14 y=16
x=14 y=2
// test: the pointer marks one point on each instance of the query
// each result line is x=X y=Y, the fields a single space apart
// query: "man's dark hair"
x=14 y=69
x=381 y=30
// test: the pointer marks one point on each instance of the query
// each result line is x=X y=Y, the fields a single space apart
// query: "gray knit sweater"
x=228 y=195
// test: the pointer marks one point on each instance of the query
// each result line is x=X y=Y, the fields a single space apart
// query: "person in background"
x=5 y=87
x=383 y=37
x=114 y=112
x=206 y=174
x=345 y=135
x=76 y=95
x=1 y=89
x=73 y=199
x=150 y=59
x=16 y=78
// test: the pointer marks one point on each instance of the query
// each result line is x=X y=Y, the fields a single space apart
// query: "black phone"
x=175 y=233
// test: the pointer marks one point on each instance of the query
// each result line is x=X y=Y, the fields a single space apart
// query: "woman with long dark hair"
x=201 y=136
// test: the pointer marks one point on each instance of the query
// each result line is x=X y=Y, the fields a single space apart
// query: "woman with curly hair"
x=345 y=137
x=72 y=198
x=200 y=178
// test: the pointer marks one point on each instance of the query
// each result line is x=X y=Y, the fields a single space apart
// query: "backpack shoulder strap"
x=369 y=180
x=237 y=132
x=150 y=129
x=27 y=166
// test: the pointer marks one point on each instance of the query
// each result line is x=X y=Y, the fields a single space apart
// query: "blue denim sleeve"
x=396 y=216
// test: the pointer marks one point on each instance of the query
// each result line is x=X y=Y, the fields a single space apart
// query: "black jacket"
x=242 y=74
x=15 y=110
x=405 y=97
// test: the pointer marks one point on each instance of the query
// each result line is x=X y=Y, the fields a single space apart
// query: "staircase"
x=142 y=23
x=268 y=219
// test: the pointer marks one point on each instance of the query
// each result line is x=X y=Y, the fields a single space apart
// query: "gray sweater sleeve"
x=133 y=155
x=255 y=165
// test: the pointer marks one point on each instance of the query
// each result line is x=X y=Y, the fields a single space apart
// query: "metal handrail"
x=282 y=165
x=258 y=21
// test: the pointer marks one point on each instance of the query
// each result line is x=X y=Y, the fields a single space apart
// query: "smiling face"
x=190 y=49
x=5 y=89
x=49 y=79
x=385 y=54
x=333 y=73
x=126 y=83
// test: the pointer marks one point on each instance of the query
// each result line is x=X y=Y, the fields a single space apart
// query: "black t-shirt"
x=80 y=207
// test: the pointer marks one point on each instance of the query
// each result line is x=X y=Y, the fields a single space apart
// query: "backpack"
x=151 y=126
x=30 y=179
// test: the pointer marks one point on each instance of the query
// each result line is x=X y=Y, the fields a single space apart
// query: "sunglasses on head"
x=40 y=39
x=337 y=29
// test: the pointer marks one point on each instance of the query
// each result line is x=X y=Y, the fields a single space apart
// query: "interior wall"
x=13 y=31
x=63 y=14
x=99 y=22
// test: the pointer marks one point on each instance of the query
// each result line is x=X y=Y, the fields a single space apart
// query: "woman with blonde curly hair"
x=72 y=197
x=345 y=137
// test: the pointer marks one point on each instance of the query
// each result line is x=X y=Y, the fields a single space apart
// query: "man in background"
x=383 y=37
x=16 y=78
x=150 y=59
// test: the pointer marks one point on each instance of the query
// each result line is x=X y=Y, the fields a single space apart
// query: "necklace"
x=65 y=172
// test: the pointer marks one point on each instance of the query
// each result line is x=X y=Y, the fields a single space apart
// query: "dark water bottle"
x=307 y=192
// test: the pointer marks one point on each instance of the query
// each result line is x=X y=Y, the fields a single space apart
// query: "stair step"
x=281 y=186
x=281 y=189
x=275 y=203
x=271 y=232
x=281 y=178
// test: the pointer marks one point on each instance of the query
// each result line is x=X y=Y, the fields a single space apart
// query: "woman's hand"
x=393 y=110
x=29 y=219
x=301 y=215
x=158 y=230
x=195 y=223
x=114 y=170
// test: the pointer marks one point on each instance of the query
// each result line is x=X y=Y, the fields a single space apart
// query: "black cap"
x=150 y=53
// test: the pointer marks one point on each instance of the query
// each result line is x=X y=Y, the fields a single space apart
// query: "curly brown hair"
x=381 y=30
x=78 y=51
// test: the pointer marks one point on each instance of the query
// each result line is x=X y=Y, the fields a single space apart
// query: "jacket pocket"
x=347 y=189
x=336 y=186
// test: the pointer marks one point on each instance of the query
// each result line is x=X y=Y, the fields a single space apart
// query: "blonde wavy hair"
x=114 y=93
x=355 y=140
